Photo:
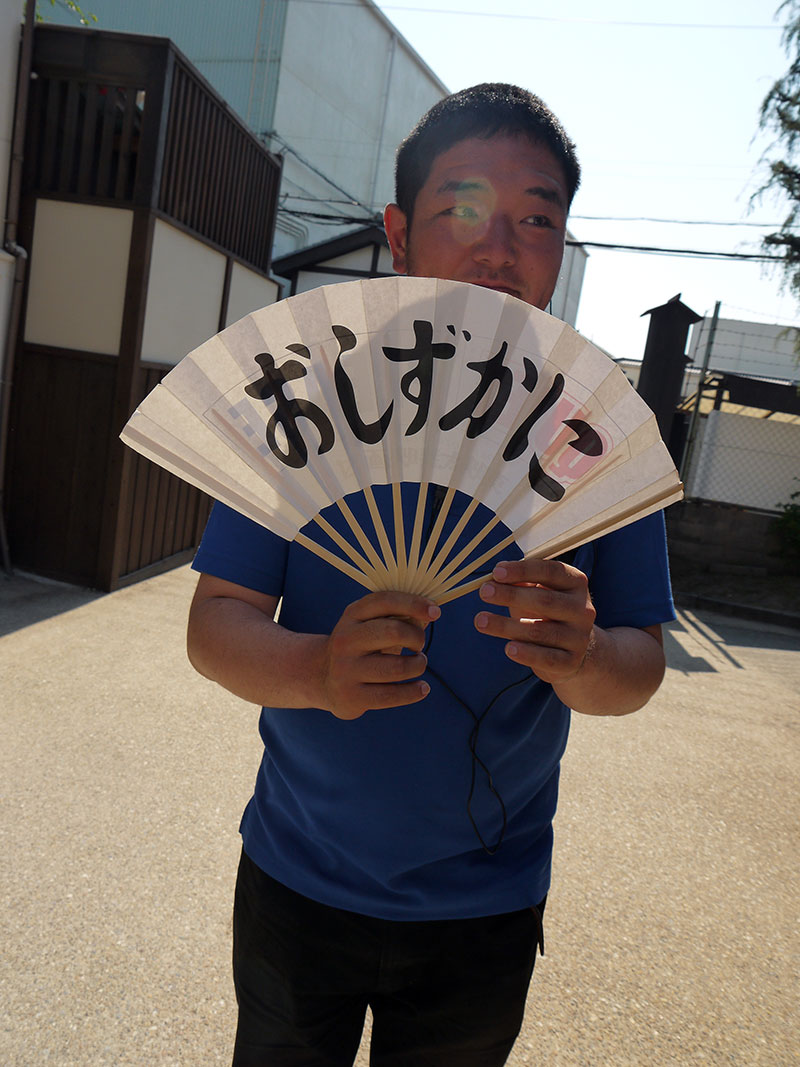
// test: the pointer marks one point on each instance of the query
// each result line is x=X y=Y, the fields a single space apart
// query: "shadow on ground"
x=25 y=600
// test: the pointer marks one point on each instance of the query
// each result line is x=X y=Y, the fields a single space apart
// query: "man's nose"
x=496 y=244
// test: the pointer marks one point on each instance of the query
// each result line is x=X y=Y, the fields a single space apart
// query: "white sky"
x=665 y=120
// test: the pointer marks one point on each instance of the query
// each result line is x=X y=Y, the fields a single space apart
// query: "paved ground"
x=671 y=929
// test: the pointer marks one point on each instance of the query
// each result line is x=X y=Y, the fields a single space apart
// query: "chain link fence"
x=745 y=460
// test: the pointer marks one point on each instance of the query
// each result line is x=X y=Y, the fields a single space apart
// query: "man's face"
x=492 y=212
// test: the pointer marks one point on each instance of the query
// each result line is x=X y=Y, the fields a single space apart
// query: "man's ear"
x=394 y=222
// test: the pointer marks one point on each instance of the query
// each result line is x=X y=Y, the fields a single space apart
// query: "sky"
x=663 y=104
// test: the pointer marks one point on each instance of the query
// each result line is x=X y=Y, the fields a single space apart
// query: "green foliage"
x=85 y=19
x=780 y=113
x=787 y=527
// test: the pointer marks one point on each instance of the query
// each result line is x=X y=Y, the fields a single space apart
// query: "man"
x=397 y=848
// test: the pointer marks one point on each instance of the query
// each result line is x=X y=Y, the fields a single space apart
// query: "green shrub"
x=787 y=527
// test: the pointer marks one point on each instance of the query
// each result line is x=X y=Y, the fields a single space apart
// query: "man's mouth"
x=498 y=287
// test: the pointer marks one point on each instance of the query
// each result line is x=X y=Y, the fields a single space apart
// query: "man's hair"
x=481 y=111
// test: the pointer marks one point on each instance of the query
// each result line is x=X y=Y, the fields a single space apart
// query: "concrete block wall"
x=725 y=538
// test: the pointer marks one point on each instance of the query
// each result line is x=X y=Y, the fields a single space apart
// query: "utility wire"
x=552 y=18
x=694 y=253
x=293 y=151
x=589 y=218
x=687 y=252
x=681 y=222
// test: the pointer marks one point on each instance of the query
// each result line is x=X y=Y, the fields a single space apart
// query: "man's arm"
x=233 y=639
x=551 y=629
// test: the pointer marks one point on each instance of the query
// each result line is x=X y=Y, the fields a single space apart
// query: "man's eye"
x=539 y=220
x=461 y=211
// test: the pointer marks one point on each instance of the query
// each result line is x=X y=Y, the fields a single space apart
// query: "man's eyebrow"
x=468 y=185
x=547 y=193
x=458 y=185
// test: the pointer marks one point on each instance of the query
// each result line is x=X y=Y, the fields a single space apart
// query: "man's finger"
x=535 y=602
x=384 y=667
x=391 y=603
x=376 y=697
x=547 y=572
x=542 y=632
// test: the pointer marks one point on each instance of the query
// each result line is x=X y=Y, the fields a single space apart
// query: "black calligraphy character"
x=541 y=483
x=490 y=371
x=424 y=352
x=369 y=432
x=288 y=410
x=588 y=440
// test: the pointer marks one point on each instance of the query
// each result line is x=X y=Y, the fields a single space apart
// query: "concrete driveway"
x=672 y=925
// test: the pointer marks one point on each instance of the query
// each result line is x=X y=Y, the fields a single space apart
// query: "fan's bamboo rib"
x=444 y=574
x=439 y=559
x=662 y=498
x=435 y=533
x=445 y=584
x=335 y=561
x=346 y=547
x=459 y=590
x=361 y=537
x=399 y=536
x=380 y=530
x=556 y=548
x=416 y=536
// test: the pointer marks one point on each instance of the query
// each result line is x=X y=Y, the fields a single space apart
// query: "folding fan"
x=288 y=412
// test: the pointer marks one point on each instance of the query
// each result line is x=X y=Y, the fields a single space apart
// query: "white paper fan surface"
x=410 y=382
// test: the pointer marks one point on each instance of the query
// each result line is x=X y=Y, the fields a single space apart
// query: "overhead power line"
x=695 y=253
x=306 y=163
x=682 y=222
x=691 y=253
x=588 y=218
x=461 y=13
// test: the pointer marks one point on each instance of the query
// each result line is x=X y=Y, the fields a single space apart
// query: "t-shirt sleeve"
x=630 y=583
x=238 y=550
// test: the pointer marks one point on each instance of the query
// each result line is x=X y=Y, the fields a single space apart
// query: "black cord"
x=477 y=762
x=438 y=496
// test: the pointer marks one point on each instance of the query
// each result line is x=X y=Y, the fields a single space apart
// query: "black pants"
x=442 y=994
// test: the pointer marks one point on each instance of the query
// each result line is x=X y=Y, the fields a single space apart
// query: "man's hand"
x=234 y=640
x=361 y=666
x=550 y=628
x=550 y=621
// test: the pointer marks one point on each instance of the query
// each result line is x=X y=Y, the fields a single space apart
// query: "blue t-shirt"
x=436 y=810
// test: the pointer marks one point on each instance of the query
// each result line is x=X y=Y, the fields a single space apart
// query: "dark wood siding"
x=122 y=120
x=212 y=166
x=62 y=408
x=62 y=405
x=164 y=516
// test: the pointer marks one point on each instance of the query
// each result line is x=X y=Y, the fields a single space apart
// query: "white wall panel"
x=249 y=292
x=184 y=295
x=78 y=273
x=742 y=347
x=747 y=461
x=10 y=19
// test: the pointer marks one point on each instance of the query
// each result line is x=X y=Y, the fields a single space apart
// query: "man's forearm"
x=622 y=669
x=233 y=640
x=238 y=646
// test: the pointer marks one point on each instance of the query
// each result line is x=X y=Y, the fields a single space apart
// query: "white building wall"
x=753 y=348
x=746 y=461
x=10 y=21
x=350 y=89
x=567 y=295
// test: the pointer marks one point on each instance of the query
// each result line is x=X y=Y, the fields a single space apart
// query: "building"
x=331 y=87
x=134 y=257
